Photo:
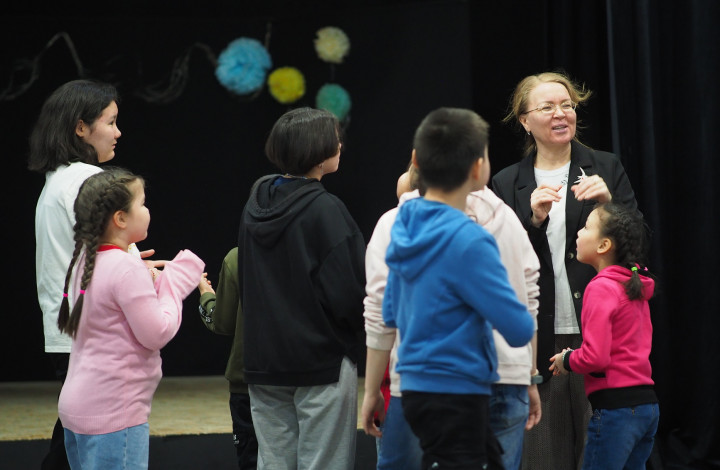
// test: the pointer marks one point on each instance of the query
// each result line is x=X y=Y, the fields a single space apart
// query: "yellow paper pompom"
x=332 y=44
x=287 y=84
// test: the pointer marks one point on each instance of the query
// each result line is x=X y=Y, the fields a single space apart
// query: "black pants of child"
x=246 y=444
x=454 y=430
x=56 y=458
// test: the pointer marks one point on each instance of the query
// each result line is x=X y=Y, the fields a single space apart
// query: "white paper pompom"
x=332 y=44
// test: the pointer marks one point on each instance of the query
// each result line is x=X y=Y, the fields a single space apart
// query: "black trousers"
x=56 y=458
x=454 y=430
x=246 y=444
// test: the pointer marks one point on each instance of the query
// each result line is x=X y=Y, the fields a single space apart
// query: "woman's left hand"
x=592 y=187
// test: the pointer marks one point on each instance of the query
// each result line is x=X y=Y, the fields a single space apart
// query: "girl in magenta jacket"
x=617 y=339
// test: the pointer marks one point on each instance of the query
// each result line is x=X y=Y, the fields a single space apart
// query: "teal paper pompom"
x=243 y=65
x=335 y=99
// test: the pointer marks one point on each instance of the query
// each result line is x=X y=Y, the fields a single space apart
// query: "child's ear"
x=119 y=219
x=81 y=128
x=413 y=159
x=605 y=246
x=476 y=169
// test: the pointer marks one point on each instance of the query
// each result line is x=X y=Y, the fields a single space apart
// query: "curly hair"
x=630 y=236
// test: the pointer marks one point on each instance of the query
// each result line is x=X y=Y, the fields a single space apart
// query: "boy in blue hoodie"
x=446 y=290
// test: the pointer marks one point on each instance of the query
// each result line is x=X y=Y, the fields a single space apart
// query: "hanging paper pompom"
x=332 y=44
x=335 y=99
x=287 y=84
x=243 y=65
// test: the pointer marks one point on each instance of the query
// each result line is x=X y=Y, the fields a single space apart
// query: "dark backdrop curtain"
x=201 y=152
x=652 y=65
x=658 y=64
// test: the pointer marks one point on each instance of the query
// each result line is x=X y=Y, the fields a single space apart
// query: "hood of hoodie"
x=420 y=234
x=622 y=275
x=270 y=209
x=484 y=206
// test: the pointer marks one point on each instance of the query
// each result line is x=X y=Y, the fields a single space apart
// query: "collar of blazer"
x=580 y=157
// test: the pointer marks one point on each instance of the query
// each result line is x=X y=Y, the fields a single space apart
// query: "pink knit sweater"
x=115 y=359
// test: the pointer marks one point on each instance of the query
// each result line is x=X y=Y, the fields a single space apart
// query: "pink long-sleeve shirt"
x=115 y=363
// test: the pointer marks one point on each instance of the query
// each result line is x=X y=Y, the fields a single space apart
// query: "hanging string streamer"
x=178 y=77
x=32 y=67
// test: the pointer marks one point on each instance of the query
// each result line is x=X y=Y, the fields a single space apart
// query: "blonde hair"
x=519 y=100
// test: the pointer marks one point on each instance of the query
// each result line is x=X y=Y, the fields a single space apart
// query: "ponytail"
x=634 y=285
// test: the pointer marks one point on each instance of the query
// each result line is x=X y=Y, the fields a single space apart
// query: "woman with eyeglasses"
x=553 y=189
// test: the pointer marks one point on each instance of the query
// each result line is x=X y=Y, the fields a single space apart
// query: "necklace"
x=289 y=176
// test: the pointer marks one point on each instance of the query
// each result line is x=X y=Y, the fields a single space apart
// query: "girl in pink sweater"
x=617 y=338
x=123 y=316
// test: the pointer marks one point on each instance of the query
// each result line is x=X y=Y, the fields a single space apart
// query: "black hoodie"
x=302 y=283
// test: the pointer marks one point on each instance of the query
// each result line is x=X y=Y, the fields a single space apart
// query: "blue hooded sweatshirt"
x=446 y=290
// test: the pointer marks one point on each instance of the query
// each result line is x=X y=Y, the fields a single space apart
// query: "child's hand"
x=557 y=367
x=151 y=263
x=205 y=285
x=372 y=413
x=154 y=272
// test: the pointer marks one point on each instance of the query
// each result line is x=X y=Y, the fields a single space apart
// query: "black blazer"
x=514 y=185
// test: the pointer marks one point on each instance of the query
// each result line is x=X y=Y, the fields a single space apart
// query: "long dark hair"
x=631 y=237
x=100 y=196
x=53 y=141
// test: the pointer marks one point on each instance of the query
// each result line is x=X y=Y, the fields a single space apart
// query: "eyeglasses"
x=549 y=108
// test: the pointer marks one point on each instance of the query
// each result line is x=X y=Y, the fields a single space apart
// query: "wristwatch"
x=536 y=378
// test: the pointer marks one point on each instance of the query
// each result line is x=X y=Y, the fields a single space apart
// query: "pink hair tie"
x=82 y=292
x=65 y=294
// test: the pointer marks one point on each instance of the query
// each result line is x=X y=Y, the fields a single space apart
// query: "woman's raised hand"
x=592 y=187
x=541 y=202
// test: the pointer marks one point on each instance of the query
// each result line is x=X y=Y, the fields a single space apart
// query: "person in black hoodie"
x=302 y=278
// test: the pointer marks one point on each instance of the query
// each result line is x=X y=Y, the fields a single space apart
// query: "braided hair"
x=99 y=198
x=630 y=235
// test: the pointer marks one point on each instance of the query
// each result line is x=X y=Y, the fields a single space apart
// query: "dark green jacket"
x=222 y=314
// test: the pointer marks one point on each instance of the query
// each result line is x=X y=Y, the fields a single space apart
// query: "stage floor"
x=190 y=425
x=181 y=405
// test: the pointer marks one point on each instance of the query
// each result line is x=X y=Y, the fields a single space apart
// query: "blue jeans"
x=621 y=438
x=399 y=447
x=127 y=449
x=509 y=409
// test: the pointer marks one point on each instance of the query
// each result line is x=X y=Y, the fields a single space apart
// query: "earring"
x=528 y=132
